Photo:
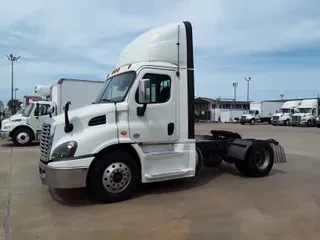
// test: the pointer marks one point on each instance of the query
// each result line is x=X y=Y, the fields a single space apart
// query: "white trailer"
x=284 y=114
x=145 y=131
x=260 y=112
x=26 y=127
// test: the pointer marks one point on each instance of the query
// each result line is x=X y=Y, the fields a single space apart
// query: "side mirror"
x=144 y=91
x=36 y=111
x=276 y=111
x=50 y=110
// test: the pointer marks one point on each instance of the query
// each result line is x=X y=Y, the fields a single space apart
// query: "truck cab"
x=284 y=114
x=26 y=127
x=250 y=116
x=140 y=128
x=306 y=113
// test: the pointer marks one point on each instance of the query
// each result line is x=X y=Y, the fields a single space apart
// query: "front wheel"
x=318 y=125
x=22 y=137
x=252 y=122
x=114 y=177
x=287 y=122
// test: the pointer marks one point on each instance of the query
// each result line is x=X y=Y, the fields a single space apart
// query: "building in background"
x=219 y=110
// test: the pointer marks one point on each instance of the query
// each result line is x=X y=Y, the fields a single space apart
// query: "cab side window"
x=160 y=87
x=41 y=110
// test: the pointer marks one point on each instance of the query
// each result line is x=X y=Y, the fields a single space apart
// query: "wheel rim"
x=262 y=158
x=116 y=177
x=23 y=138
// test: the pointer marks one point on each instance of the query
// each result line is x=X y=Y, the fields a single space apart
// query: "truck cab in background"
x=306 y=113
x=250 y=116
x=27 y=127
x=284 y=114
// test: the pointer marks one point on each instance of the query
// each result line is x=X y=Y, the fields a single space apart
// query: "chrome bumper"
x=4 y=135
x=63 y=177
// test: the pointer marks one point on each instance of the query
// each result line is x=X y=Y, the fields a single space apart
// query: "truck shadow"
x=81 y=197
x=10 y=144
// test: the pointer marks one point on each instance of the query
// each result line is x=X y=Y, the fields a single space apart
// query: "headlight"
x=65 y=150
x=7 y=127
x=16 y=120
x=303 y=119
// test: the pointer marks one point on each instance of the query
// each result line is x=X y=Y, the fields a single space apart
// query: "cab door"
x=40 y=114
x=159 y=122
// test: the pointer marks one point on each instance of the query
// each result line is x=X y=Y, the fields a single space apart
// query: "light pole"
x=281 y=95
x=12 y=59
x=248 y=88
x=15 y=93
x=235 y=85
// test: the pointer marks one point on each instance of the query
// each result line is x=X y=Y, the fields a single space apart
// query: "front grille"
x=275 y=118
x=45 y=141
x=296 y=119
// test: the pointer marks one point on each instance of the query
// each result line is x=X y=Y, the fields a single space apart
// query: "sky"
x=275 y=42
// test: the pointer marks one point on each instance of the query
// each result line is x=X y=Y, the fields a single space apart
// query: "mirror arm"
x=141 y=110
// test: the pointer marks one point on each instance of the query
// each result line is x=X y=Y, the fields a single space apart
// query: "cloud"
x=275 y=42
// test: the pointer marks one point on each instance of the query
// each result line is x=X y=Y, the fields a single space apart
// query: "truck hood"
x=280 y=114
x=302 y=114
x=88 y=111
x=247 y=115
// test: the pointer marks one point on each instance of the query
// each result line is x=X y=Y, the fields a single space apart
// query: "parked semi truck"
x=26 y=127
x=284 y=114
x=264 y=114
x=306 y=113
x=145 y=132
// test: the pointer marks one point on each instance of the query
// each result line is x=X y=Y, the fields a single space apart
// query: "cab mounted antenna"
x=178 y=44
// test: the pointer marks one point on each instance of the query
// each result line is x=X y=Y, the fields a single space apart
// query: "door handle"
x=170 y=129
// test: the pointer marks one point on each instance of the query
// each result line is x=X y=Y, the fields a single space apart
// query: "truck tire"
x=241 y=166
x=293 y=125
x=309 y=123
x=318 y=125
x=252 y=121
x=114 y=177
x=287 y=122
x=22 y=137
x=242 y=123
x=259 y=161
x=212 y=161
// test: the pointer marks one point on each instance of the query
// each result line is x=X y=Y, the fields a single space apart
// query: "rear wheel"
x=318 y=125
x=199 y=159
x=114 y=177
x=22 y=137
x=260 y=160
x=242 y=123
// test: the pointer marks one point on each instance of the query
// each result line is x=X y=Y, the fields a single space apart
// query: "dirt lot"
x=217 y=204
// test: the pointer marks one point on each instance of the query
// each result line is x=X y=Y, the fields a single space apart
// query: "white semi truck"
x=264 y=114
x=306 y=113
x=141 y=127
x=26 y=127
x=284 y=114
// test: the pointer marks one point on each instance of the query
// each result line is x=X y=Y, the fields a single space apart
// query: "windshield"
x=304 y=110
x=251 y=112
x=26 y=112
x=284 y=110
x=115 y=88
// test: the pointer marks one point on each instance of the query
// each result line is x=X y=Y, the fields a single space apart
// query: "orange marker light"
x=123 y=133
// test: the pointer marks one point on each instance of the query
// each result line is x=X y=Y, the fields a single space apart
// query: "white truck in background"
x=284 y=114
x=26 y=127
x=262 y=113
x=145 y=132
x=306 y=113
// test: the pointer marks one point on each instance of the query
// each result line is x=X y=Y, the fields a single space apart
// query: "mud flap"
x=278 y=151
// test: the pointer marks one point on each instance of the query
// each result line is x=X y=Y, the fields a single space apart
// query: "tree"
x=15 y=104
